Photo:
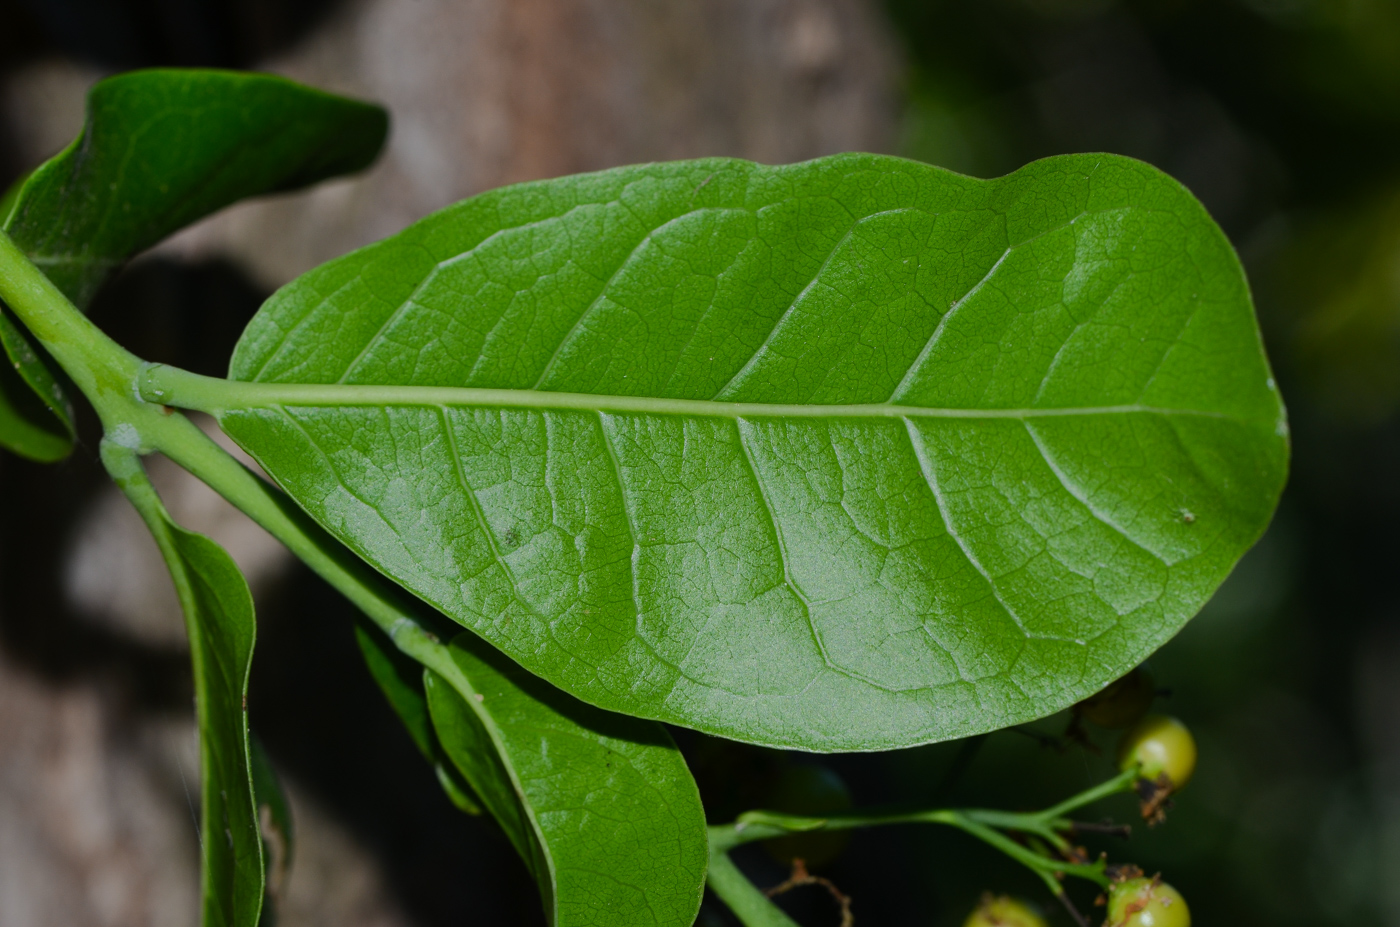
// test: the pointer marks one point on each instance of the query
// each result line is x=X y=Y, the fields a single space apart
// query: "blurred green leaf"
x=845 y=455
x=161 y=149
x=601 y=807
x=10 y=198
x=401 y=681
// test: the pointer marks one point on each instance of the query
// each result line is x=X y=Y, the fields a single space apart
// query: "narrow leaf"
x=401 y=681
x=845 y=455
x=219 y=617
x=219 y=621
x=159 y=150
x=573 y=786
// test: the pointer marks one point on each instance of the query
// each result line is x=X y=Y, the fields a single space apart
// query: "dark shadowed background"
x=1283 y=116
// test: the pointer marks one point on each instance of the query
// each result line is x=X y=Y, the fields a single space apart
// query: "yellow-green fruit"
x=1121 y=702
x=810 y=790
x=1159 y=745
x=1146 y=903
x=1002 y=911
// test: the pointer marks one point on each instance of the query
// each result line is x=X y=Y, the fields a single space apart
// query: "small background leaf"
x=159 y=150
x=601 y=807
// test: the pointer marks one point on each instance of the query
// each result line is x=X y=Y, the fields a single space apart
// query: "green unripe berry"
x=1120 y=703
x=1001 y=911
x=1146 y=903
x=1159 y=745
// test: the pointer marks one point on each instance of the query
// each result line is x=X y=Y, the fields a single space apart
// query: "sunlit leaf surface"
x=845 y=455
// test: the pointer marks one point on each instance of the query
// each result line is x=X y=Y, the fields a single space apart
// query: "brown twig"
x=800 y=877
x=1103 y=827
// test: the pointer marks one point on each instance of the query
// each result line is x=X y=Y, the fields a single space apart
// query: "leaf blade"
x=219 y=617
x=570 y=785
x=162 y=148
x=725 y=438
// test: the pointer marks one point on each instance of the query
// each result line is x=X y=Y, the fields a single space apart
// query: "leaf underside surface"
x=852 y=454
x=571 y=785
x=161 y=149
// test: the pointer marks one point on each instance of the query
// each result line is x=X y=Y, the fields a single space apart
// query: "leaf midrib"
x=220 y=396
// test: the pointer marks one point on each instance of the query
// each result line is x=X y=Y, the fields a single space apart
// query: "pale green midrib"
x=173 y=387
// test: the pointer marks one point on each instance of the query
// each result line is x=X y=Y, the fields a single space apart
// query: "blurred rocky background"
x=1282 y=115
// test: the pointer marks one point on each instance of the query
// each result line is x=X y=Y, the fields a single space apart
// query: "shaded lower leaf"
x=36 y=417
x=221 y=626
x=219 y=617
x=401 y=681
x=163 y=148
x=600 y=806
x=10 y=198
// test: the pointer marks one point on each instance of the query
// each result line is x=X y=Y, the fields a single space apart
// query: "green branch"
x=101 y=368
x=108 y=375
x=755 y=910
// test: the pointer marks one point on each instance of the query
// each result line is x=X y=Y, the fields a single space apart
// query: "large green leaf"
x=601 y=807
x=159 y=150
x=849 y=454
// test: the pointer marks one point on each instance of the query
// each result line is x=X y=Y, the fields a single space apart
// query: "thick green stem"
x=985 y=824
x=101 y=368
x=108 y=375
x=393 y=611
